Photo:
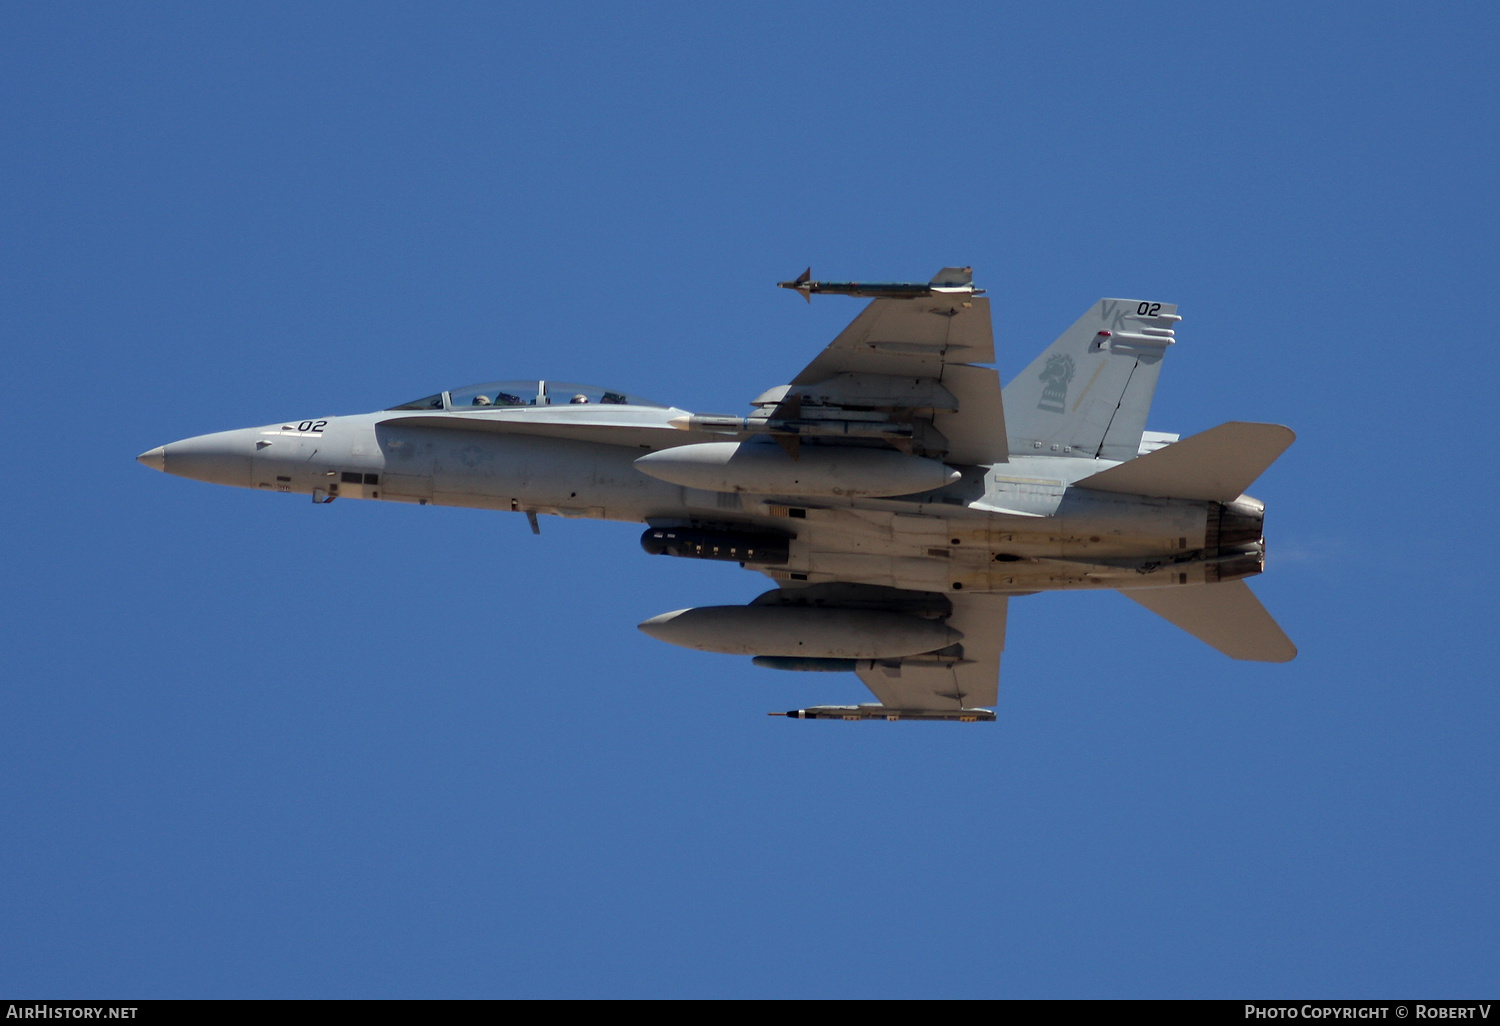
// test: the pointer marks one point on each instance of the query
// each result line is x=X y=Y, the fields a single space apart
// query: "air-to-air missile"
x=880 y=712
x=949 y=281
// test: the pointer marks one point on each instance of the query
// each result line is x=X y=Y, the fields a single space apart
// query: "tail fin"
x=1227 y=616
x=1216 y=465
x=1088 y=394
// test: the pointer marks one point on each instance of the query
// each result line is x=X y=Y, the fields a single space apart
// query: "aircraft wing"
x=913 y=358
x=930 y=686
x=909 y=338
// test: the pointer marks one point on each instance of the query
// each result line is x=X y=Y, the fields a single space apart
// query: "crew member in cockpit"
x=579 y=398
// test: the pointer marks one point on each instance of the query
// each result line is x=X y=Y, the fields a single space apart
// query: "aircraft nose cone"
x=220 y=458
x=156 y=458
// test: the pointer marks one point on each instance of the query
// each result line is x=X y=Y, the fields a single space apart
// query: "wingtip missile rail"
x=950 y=281
x=880 y=712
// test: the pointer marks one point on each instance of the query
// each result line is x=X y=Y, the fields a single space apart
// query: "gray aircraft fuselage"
x=1012 y=527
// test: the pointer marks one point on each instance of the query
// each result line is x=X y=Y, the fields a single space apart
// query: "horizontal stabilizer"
x=1216 y=465
x=1226 y=616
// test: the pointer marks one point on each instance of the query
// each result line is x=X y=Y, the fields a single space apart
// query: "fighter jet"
x=897 y=497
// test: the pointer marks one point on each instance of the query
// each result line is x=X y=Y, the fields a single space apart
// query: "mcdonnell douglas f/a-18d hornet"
x=895 y=494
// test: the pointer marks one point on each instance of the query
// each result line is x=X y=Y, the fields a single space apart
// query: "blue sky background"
x=253 y=747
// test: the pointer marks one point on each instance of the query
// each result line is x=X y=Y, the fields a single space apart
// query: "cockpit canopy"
x=525 y=393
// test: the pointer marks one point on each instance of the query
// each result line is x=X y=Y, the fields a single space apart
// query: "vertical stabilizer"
x=1088 y=394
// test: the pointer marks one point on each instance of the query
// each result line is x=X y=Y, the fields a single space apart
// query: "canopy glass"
x=525 y=393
